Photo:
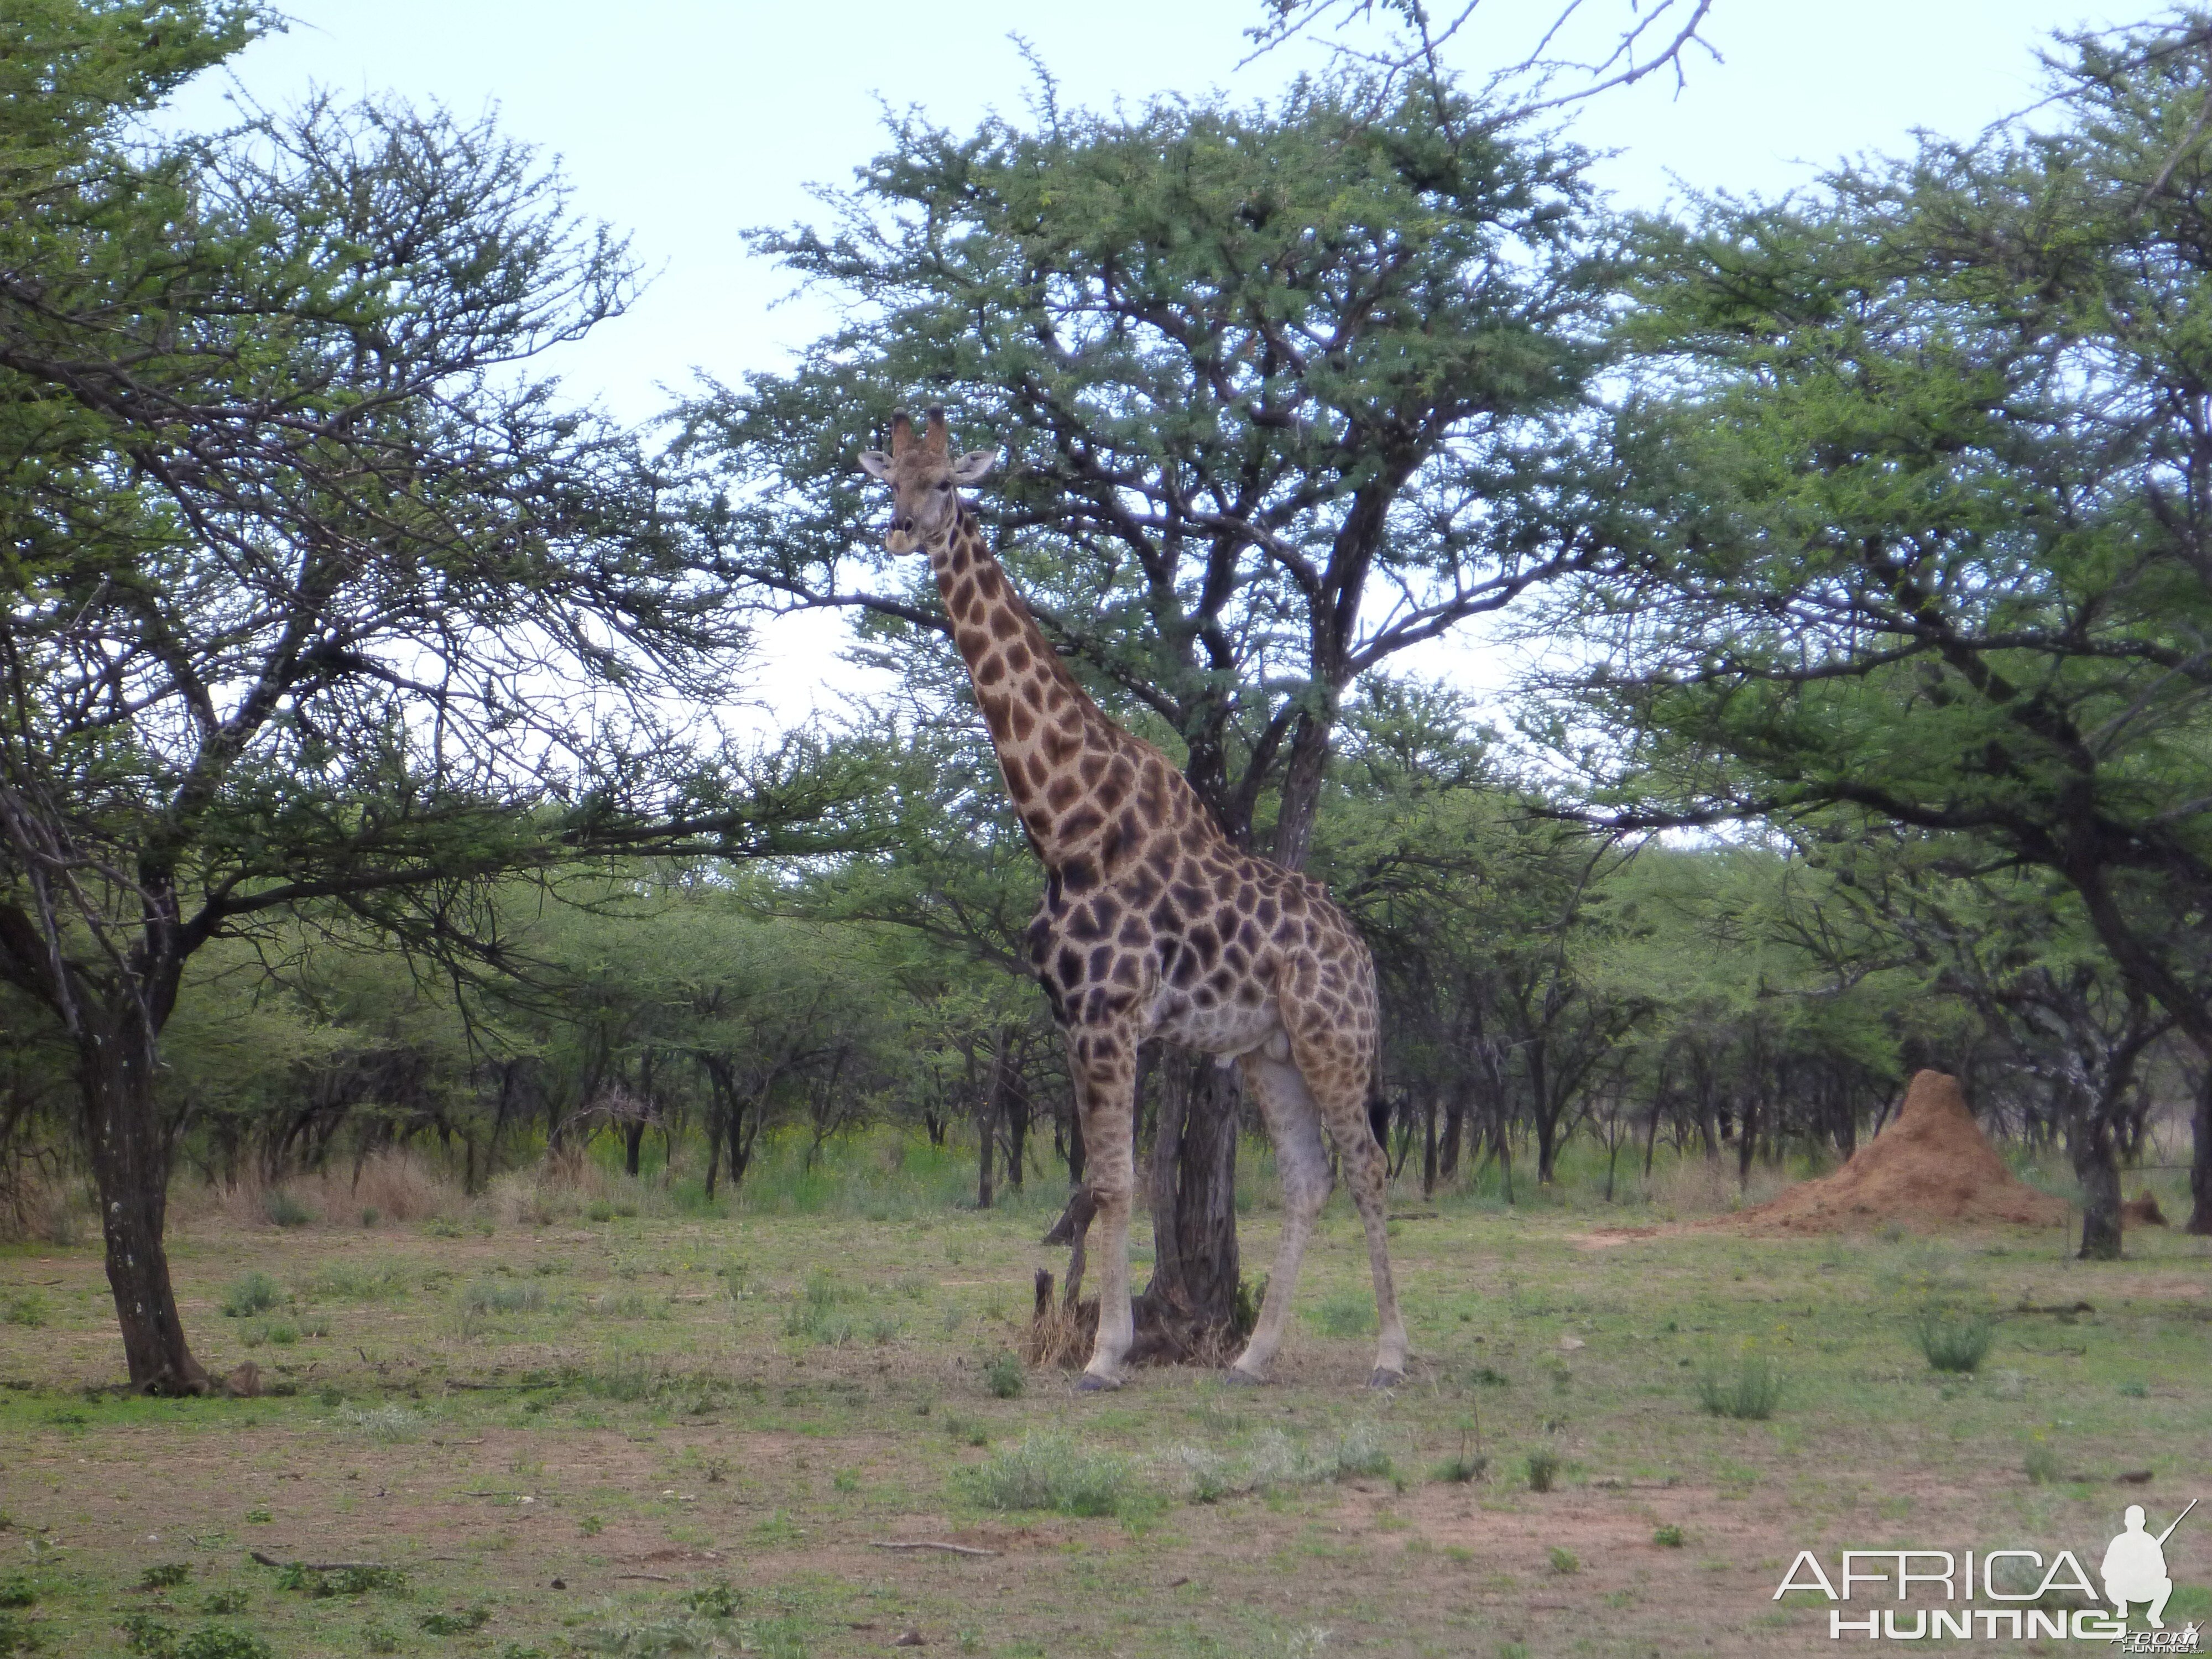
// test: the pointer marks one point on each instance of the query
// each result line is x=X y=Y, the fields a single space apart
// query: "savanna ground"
x=612 y=1420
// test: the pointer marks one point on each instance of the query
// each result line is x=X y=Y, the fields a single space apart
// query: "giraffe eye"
x=947 y=484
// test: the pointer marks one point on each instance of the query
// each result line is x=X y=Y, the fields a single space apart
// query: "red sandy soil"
x=1930 y=1168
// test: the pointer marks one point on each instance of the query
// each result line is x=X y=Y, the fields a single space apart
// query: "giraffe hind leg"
x=1337 y=1073
x=1293 y=1121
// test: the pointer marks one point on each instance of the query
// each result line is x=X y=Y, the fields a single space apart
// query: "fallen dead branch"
x=929 y=1544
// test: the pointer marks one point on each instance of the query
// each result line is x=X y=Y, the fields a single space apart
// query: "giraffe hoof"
x=1236 y=1379
x=1382 y=1378
x=1091 y=1384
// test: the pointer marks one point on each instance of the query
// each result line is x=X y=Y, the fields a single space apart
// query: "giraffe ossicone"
x=1153 y=923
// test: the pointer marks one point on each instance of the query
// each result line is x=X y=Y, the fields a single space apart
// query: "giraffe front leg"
x=1104 y=1066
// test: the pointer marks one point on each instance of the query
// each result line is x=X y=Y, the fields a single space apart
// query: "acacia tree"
x=1925 y=491
x=1283 y=392
x=314 y=595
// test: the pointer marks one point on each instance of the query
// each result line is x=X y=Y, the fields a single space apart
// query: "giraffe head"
x=925 y=479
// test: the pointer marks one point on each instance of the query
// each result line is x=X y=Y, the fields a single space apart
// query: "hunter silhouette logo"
x=2135 y=1566
x=2016 y=1586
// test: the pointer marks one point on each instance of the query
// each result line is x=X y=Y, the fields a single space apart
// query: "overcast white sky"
x=684 y=122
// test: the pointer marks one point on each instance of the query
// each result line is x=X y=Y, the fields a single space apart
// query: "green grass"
x=1953 y=1342
x=1049 y=1470
x=1750 y=1392
x=252 y=1293
x=635 y=1379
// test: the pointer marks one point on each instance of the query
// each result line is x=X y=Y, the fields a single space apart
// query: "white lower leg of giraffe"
x=1116 y=1326
x=1293 y=1123
x=1365 y=1173
x=1106 y=1091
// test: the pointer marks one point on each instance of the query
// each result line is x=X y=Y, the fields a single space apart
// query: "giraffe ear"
x=876 y=465
x=975 y=466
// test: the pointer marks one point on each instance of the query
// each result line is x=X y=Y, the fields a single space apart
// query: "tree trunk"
x=1454 y=1129
x=1190 y=1310
x=130 y=1155
x=1429 y=1145
x=2090 y=1145
x=2200 y=1157
x=987 y=1121
x=633 y=1143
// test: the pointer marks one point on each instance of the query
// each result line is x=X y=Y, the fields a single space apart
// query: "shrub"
x=1667 y=1538
x=388 y=1423
x=1565 y=1561
x=1543 y=1469
x=1751 y=1395
x=2041 y=1466
x=227 y=1601
x=284 y=1210
x=28 y=1309
x=456 y=1624
x=255 y=1293
x=166 y=1576
x=1006 y=1375
x=16 y=1591
x=1048 y=1471
x=1951 y=1342
x=1465 y=1467
x=493 y=1296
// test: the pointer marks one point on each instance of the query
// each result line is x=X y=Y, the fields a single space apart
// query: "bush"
x=1667 y=1538
x=1459 y=1470
x=16 y=1591
x=1006 y=1375
x=1565 y=1561
x=1951 y=1342
x=2041 y=1466
x=255 y=1293
x=1751 y=1395
x=1543 y=1469
x=1049 y=1471
x=28 y=1310
x=167 y=1576
x=284 y=1210
x=492 y=1296
x=388 y=1423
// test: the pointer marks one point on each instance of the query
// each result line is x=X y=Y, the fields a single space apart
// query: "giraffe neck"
x=1056 y=748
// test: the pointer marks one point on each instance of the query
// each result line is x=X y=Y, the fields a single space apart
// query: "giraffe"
x=1154 y=924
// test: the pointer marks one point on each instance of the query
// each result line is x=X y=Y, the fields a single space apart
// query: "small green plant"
x=1667 y=1538
x=1462 y=1468
x=255 y=1293
x=2135 y=1390
x=1543 y=1469
x=392 y=1424
x=28 y=1309
x=456 y=1624
x=2041 y=1466
x=969 y=1430
x=370 y=1215
x=16 y=1591
x=259 y=1515
x=320 y=1583
x=284 y=1210
x=167 y=1575
x=1565 y=1561
x=223 y=1601
x=1006 y=1375
x=591 y=1526
x=846 y=1480
x=719 y=1600
x=1751 y=1395
x=1951 y=1342
x=598 y=1210
x=488 y=1295
x=16 y=1636
x=1048 y=1471
x=382 y=1638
